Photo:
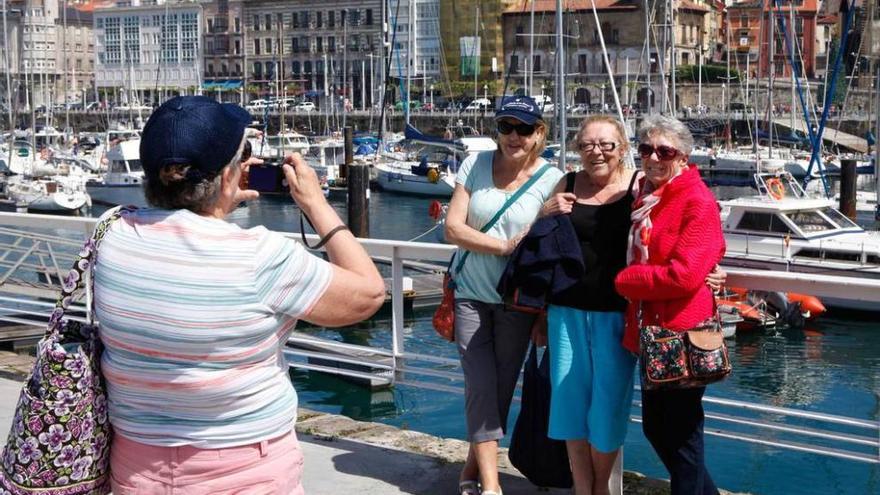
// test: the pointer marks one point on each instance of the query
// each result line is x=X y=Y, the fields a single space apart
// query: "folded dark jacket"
x=546 y=262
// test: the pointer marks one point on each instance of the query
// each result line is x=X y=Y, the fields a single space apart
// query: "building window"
x=582 y=63
x=210 y=69
x=294 y=45
x=514 y=63
x=342 y=20
x=256 y=22
x=331 y=18
x=258 y=69
x=268 y=22
x=331 y=44
x=256 y=46
x=224 y=70
x=518 y=38
x=237 y=47
x=320 y=44
x=369 y=21
x=268 y=42
x=319 y=19
x=354 y=16
x=295 y=67
x=307 y=67
x=536 y=63
x=237 y=25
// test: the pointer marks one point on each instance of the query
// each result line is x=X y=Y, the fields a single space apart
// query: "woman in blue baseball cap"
x=509 y=185
x=194 y=312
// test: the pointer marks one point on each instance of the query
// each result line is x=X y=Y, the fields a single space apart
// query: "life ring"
x=776 y=189
x=435 y=210
x=433 y=175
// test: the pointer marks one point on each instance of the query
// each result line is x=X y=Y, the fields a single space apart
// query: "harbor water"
x=832 y=366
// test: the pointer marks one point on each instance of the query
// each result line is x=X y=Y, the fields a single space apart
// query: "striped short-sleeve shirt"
x=194 y=313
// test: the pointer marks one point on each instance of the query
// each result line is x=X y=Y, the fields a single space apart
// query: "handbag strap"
x=715 y=306
x=511 y=200
x=84 y=261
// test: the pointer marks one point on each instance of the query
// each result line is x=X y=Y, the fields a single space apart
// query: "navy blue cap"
x=521 y=108
x=194 y=130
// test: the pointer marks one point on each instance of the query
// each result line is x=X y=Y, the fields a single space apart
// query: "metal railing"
x=831 y=435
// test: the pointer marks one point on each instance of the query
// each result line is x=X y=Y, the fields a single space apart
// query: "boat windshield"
x=839 y=218
x=135 y=166
x=810 y=221
x=758 y=221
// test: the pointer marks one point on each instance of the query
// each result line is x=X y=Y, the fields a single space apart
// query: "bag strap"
x=511 y=200
x=75 y=280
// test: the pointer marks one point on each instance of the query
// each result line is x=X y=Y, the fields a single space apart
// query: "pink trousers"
x=272 y=467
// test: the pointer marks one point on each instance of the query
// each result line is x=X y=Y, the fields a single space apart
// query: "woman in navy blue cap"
x=492 y=341
x=195 y=311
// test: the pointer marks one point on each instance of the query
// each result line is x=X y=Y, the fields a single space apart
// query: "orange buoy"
x=808 y=303
x=775 y=188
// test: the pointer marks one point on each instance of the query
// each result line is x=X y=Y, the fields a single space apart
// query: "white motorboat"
x=121 y=183
x=57 y=193
x=289 y=142
x=784 y=229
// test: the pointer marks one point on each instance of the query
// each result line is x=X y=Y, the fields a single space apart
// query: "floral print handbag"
x=59 y=443
x=676 y=359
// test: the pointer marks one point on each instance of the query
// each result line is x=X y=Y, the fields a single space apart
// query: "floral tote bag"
x=59 y=443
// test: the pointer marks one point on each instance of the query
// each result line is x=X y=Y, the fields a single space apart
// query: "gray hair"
x=180 y=186
x=669 y=127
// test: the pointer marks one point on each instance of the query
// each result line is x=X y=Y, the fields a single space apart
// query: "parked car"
x=256 y=105
x=304 y=106
x=95 y=105
x=579 y=108
x=413 y=105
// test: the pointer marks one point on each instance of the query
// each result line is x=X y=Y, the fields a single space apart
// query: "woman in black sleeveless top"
x=590 y=371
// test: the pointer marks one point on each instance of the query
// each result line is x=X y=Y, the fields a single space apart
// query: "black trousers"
x=673 y=422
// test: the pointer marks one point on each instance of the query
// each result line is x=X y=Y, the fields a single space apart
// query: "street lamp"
x=602 y=89
x=485 y=91
x=432 y=98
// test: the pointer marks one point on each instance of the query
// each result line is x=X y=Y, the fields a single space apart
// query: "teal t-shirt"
x=480 y=274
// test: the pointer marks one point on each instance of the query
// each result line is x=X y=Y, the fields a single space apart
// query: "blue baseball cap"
x=194 y=130
x=521 y=108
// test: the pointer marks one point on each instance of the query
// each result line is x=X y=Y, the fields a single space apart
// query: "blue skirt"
x=591 y=375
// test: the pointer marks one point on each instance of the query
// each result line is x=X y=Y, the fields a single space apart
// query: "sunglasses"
x=521 y=129
x=663 y=152
x=587 y=147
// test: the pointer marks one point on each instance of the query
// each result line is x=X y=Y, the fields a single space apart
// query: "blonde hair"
x=540 y=143
x=602 y=119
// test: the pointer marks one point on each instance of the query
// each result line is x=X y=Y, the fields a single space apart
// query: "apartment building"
x=147 y=47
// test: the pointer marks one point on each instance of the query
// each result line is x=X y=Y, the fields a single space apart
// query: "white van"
x=544 y=102
x=478 y=105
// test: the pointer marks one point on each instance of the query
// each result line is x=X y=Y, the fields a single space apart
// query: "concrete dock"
x=347 y=456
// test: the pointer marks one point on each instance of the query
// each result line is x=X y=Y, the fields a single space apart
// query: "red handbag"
x=444 y=316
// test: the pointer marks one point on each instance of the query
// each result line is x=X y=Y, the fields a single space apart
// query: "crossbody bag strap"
x=511 y=200
x=83 y=263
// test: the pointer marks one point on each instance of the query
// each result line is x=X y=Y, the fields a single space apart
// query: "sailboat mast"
x=792 y=49
x=64 y=55
x=771 y=79
x=649 y=92
x=530 y=74
x=560 y=85
x=8 y=77
x=672 y=62
x=474 y=57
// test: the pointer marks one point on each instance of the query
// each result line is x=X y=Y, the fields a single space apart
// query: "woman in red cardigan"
x=675 y=242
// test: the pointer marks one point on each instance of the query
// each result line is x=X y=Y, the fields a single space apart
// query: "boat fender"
x=435 y=210
x=433 y=175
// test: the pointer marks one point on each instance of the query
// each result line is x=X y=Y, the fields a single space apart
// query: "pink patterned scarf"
x=640 y=231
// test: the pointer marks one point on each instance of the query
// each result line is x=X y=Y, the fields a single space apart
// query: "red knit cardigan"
x=685 y=245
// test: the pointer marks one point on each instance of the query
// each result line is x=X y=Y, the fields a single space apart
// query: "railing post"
x=396 y=309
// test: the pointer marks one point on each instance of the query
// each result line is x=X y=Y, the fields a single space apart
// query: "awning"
x=221 y=85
